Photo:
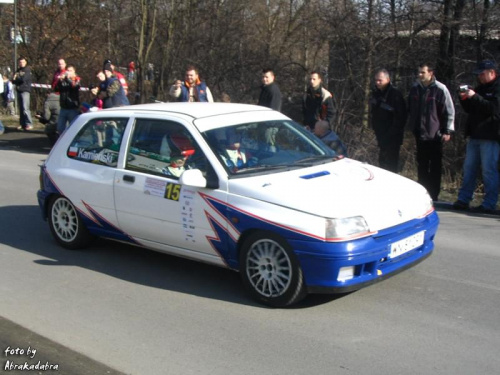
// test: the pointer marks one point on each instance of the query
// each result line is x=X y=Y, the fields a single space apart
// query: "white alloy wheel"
x=270 y=270
x=66 y=225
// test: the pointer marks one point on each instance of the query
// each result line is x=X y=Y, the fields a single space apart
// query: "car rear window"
x=98 y=141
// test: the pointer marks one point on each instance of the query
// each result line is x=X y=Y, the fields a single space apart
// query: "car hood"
x=340 y=189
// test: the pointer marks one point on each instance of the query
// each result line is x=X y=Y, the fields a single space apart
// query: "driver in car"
x=235 y=157
x=177 y=164
x=180 y=149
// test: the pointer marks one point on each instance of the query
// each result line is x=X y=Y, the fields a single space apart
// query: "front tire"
x=66 y=224
x=270 y=270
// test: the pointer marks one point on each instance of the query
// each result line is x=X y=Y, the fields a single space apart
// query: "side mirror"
x=193 y=177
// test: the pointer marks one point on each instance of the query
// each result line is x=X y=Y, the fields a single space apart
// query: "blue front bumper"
x=322 y=261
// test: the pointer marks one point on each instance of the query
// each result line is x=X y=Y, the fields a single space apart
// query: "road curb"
x=22 y=347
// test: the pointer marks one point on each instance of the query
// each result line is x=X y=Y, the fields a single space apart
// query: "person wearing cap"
x=431 y=116
x=192 y=89
x=110 y=90
x=270 y=94
x=482 y=105
x=117 y=74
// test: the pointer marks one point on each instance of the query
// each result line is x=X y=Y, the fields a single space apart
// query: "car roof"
x=194 y=110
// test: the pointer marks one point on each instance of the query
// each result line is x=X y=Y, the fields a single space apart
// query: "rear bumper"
x=42 y=197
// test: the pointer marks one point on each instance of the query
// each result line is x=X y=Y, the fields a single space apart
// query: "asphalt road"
x=122 y=308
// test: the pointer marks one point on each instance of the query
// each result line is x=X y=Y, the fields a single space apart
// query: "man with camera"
x=192 y=89
x=432 y=116
x=69 y=88
x=482 y=104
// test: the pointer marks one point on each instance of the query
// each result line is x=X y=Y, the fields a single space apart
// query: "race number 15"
x=173 y=192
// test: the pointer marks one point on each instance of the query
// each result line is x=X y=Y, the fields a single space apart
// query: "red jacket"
x=122 y=80
x=57 y=74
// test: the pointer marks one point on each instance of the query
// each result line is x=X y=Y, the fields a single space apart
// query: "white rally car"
x=238 y=186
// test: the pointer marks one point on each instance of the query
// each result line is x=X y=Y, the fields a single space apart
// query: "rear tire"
x=270 y=270
x=66 y=224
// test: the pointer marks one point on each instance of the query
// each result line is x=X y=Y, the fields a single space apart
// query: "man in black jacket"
x=317 y=103
x=388 y=119
x=22 y=79
x=69 y=88
x=270 y=94
x=482 y=105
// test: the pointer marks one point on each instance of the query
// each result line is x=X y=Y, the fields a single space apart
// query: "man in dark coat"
x=68 y=86
x=388 y=119
x=270 y=94
x=317 y=103
x=22 y=79
x=482 y=104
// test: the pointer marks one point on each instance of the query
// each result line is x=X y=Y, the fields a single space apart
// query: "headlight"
x=342 y=229
x=428 y=204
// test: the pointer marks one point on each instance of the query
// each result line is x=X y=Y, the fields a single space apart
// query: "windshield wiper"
x=266 y=167
x=312 y=160
x=301 y=163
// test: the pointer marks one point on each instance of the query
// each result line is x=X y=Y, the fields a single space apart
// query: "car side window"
x=164 y=148
x=99 y=141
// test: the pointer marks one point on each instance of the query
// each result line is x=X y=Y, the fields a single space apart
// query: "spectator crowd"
x=428 y=110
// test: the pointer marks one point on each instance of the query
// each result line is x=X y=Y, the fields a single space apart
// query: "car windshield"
x=264 y=147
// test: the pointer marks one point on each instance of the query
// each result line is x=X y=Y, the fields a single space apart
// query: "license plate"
x=407 y=244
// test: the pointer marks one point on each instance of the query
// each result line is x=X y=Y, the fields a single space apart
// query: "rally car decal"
x=108 y=228
x=49 y=184
x=222 y=247
x=94 y=221
x=240 y=220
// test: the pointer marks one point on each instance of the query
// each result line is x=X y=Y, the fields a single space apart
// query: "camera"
x=463 y=88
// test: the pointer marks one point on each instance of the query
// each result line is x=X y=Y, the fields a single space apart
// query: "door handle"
x=128 y=178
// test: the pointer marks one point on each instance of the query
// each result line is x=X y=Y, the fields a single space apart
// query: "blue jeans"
x=66 y=116
x=23 y=99
x=481 y=153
